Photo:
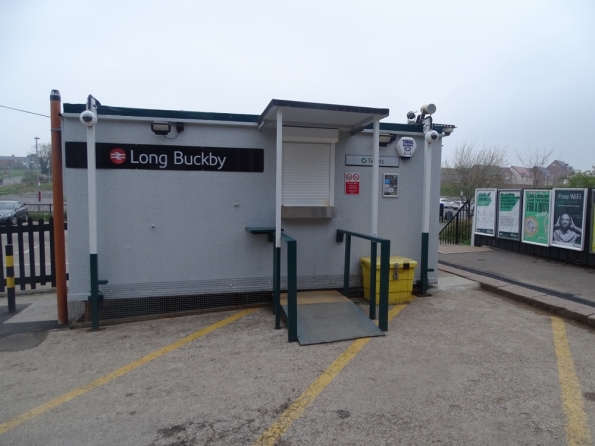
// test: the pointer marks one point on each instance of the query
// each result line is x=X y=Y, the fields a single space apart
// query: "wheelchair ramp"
x=328 y=316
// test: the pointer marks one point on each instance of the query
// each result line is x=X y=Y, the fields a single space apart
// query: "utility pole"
x=38 y=166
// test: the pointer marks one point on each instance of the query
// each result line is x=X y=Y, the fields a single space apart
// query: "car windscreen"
x=7 y=206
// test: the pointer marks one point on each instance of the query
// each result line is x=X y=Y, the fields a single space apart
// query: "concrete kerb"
x=572 y=310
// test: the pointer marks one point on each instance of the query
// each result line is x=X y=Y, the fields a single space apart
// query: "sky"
x=511 y=74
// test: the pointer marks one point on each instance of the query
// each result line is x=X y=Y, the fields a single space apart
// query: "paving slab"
x=553 y=275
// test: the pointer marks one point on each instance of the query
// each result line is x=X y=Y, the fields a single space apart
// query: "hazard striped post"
x=12 y=307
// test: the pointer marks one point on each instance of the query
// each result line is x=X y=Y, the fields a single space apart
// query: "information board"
x=509 y=214
x=485 y=212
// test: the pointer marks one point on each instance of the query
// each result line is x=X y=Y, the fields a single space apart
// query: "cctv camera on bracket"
x=88 y=118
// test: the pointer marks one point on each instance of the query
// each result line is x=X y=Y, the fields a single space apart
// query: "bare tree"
x=471 y=168
x=535 y=160
x=45 y=156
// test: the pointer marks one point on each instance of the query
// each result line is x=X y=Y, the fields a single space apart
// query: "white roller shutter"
x=306 y=174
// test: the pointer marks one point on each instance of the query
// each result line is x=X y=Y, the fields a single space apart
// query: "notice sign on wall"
x=352 y=183
x=509 y=214
x=153 y=157
x=390 y=185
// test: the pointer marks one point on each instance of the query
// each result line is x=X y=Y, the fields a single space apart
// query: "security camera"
x=432 y=136
x=428 y=109
x=411 y=116
x=88 y=118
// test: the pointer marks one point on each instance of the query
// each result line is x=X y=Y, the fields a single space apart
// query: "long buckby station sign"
x=152 y=157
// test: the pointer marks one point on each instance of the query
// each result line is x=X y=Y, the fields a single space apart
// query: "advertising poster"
x=536 y=216
x=509 y=214
x=568 y=218
x=485 y=211
x=593 y=221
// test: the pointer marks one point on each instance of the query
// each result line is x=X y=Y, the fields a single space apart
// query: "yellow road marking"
x=4 y=427
x=577 y=425
x=297 y=408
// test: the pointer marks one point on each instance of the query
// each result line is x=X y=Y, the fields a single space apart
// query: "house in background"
x=561 y=172
x=521 y=176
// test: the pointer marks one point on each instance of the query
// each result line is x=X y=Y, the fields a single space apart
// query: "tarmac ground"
x=464 y=366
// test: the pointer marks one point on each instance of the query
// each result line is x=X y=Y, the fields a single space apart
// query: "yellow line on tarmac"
x=4 y=427
x=577 y=425
x=297 y=408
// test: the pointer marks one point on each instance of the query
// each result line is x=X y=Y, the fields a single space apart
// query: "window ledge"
x=308 y=211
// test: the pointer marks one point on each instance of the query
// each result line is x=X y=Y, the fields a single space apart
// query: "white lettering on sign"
x=364 y=160
x=150 y=158
x=204 y=159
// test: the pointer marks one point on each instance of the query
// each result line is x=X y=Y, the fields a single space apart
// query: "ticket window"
x=308 y=176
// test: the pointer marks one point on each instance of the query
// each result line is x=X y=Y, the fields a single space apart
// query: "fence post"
x=384 y=270
x=292 y=291
x=12 y=308
x=21 y=251
x=373 y=257
x=346 y=265
x=32 y=277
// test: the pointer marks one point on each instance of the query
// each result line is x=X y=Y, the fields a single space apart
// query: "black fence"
x=458 y=227
x=34 y=246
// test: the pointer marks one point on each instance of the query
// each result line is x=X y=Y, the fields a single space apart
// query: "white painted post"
x=279 y=179
x=92 y=188
x=425 y=227
x=375 y=162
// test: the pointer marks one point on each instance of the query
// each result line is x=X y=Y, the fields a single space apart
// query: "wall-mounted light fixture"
x=386 y=138
x=161 y=128
x=448 y=129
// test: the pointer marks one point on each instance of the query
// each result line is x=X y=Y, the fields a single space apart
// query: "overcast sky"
x=515 y=74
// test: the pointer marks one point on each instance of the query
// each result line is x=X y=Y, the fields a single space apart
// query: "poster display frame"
x=524 y=218
x=478 y=230
x=388 y=181
x=518 y=214
x=592 y=250
x=555 y=213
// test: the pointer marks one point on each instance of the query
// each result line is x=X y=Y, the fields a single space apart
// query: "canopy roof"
x=310 y=114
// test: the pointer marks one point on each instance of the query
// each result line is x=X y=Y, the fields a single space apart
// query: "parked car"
x=447 y=203
x=12 y=211
x=458 y=204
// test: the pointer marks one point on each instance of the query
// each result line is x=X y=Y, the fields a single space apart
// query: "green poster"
x=536 y=216
x=485 y=211
x=593 y=222
x=509 y=213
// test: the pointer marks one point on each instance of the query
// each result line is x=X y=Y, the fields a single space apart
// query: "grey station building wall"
x=170 y=233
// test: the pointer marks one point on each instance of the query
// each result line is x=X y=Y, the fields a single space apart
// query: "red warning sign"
x=352 y=183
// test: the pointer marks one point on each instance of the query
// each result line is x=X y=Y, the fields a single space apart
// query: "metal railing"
x=459 y=226
x=343 y=235
x=291 y=279
x=41 y=207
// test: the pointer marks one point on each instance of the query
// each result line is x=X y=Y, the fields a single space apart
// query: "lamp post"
x=38 y=167
x=430 y=136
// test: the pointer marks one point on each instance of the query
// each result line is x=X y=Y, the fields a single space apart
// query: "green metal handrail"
x=291 y=279
x=343 y=235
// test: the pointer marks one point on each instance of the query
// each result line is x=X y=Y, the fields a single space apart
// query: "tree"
x=43 y=157
x=471 y=168
x=535 y=161
x=582 y=179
